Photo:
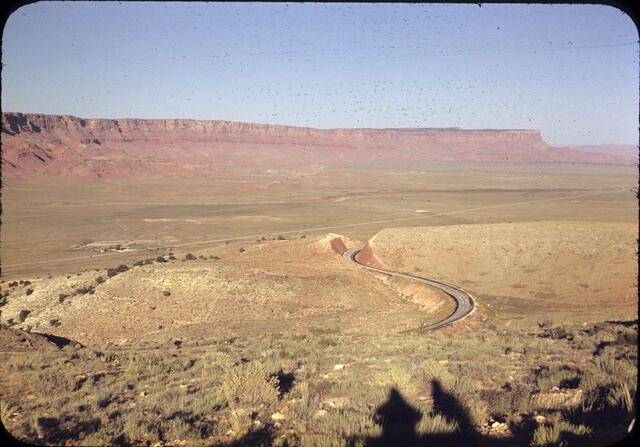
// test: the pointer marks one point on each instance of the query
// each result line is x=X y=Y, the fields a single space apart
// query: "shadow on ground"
x=399 y=421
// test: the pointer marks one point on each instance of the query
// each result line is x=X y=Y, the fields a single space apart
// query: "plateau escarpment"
x=37 y=145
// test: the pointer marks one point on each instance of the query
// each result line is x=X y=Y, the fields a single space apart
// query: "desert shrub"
x=13 y=284
x=281 y=238
x=463 y=385
x=608 y=370
x=148 y=261
x=435 y=423
x=505 y=402
x=138 y=263
x=138 y=430
x=23 y=315
x=561 y=376
x=247 y=384
x=114 y=271
x=99 y=280
x=181 y=428
x=85 y=290
x=6 y=408
x=556 y=333
x=61 y=297
x=155 y=364
x=55 y=323
x=627 y=338
x=160 y=259
x=609 y=382
x=428 y=370
x=622 y=396
x=478 y=413
x=166 y=293
x=172 y=257
x=189 y=257
x=241 y=250
x=303 y=236
x=561 y=433
x=27 y=283
x=214 y=257
x=237 y=423
x=29 y=291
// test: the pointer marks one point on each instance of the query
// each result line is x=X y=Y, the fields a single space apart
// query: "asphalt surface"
x=465 y=303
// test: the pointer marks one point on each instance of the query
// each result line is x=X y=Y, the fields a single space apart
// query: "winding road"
x=465 y=304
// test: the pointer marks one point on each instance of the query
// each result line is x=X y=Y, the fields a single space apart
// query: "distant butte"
x=35 y=145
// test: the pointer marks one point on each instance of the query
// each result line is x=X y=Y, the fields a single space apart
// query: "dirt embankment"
x=96 y=149
x=368 y=257
x=429 y=299
x=336 y=242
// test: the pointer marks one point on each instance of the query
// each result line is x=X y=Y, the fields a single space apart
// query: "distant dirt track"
x=465 y=304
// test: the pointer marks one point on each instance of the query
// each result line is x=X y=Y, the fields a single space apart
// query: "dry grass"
x=285 y=343
x=220 y=390
x=538 y=266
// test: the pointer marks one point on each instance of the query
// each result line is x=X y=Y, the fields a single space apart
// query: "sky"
x=570 y=71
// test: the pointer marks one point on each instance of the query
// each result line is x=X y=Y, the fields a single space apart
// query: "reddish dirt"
x=97 y=149
x=368 y=257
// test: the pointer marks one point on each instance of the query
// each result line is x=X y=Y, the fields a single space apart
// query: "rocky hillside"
x=36 y=145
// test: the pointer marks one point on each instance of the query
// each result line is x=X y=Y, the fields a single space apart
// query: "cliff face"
x=36 y=144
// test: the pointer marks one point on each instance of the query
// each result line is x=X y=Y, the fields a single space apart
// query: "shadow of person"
x=447 y=405
x=398 y=420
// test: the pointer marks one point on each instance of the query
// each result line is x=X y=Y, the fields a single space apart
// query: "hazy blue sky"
x=569 y=70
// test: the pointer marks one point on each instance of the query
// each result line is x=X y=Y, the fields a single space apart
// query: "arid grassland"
x=46 y=222
x=525 y=270
x=220 y=311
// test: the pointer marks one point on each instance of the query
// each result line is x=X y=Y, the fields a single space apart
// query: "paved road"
x=465 y=303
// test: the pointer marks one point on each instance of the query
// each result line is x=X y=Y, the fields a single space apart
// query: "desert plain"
x=218 y=310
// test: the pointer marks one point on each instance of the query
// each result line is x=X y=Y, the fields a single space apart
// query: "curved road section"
x=465 y=303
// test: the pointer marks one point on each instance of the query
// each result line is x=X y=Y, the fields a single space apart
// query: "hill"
x=521 y=269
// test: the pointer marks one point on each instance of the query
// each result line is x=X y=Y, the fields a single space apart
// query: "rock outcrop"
x=37 y=145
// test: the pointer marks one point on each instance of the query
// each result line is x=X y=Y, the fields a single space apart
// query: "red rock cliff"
x=37 y=144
